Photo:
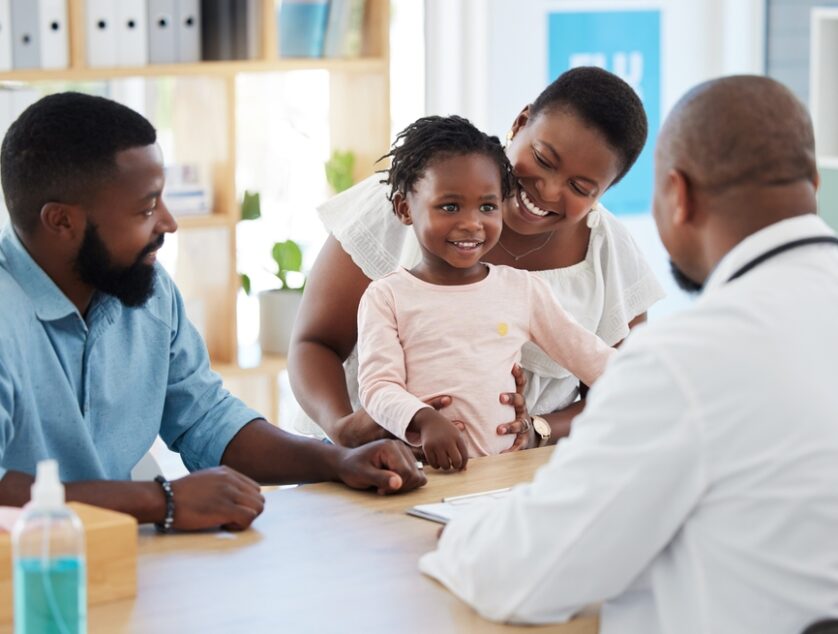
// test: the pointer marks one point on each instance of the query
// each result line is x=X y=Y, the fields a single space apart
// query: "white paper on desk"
x=444 y=512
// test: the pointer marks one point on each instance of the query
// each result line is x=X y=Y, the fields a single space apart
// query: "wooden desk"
x=320 y=559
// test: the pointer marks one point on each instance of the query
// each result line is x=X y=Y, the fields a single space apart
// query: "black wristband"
x=166 y=525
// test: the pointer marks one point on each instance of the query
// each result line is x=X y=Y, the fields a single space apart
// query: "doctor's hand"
x=442 y=441
x=521 y=426
x=216 y=497
x=388 y=466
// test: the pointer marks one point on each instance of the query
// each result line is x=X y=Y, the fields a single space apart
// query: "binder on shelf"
x=189 y=30
x=5 y=35
x=55 y=43
x=240 y=11
x=26 y=40
x=253 y=31
x=131 y=33
x=217 y=30
x=162 y=32
x=302 y=27
x=100 y=33
x=226 y=29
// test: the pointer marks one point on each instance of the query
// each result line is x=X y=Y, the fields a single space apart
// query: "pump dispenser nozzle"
x=47 y=491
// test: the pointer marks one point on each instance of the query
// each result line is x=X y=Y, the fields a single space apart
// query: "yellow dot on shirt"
x=503 y=329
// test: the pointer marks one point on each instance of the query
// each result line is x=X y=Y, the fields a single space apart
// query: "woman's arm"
x=325 y=332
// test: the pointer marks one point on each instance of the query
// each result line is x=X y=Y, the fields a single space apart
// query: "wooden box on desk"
x=111 y=556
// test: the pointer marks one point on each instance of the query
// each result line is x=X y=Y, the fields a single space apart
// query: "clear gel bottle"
x=50 y=582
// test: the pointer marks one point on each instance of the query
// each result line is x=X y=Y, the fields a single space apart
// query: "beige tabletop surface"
x=321 y=558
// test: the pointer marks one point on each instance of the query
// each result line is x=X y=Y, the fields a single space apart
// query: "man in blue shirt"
x=97 y=356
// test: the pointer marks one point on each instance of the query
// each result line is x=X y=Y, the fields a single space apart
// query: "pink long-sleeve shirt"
x=418 y=340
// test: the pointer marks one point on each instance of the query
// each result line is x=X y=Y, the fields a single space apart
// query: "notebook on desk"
x=450 y=507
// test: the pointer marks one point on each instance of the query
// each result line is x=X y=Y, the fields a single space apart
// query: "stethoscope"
x=788 y=246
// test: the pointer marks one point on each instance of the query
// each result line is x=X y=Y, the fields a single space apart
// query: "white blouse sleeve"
x=629 y=285
x=362 y=220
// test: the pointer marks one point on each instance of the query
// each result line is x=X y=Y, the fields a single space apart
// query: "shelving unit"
x=204 y=124
x=823 y=101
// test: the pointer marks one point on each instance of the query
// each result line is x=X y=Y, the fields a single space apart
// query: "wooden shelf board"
x=204 y=221
x=218 y=69
x=828 y=162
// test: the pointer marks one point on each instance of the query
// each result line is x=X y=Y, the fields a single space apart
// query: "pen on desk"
x=456 y=498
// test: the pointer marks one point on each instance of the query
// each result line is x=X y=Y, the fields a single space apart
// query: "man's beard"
x=684 y=283
x=132 y=285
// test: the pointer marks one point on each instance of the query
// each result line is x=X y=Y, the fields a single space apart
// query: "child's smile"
x=455 y=212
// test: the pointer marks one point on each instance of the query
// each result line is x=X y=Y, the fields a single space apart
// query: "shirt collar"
x=50 y=303
x=764 y=240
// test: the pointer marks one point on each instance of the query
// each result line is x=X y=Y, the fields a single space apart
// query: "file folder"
x=100 y=32
x=217 y=30
x=302 y=26
x=131 y=33
x=189 y=30
x=26 y=41
x=162 y=32
x=5 y=35
x=52 y=17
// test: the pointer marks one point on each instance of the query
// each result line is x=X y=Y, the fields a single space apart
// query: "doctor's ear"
x=680 y=188
x=402 y=208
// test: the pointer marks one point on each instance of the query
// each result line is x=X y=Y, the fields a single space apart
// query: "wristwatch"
x=542 y=430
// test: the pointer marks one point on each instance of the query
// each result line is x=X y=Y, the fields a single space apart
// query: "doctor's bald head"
x=735 y=155
x=739 y=131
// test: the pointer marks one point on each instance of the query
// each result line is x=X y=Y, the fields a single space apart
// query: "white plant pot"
x=277 y=312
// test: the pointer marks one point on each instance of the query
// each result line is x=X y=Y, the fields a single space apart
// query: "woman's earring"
x=594 y=218
x=509 y=137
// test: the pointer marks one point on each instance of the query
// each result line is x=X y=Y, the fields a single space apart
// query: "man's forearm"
x=143 y=500
x=271 y=456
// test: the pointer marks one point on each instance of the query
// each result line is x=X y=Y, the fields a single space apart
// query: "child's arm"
x=381 y=364
x=556 y=331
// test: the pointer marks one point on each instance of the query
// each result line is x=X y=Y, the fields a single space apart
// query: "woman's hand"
x=359 y=428
x=522 y=425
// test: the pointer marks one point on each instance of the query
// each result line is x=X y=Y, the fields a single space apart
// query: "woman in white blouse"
x=577 y=139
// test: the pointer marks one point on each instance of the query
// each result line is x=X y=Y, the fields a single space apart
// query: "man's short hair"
x=62 y=148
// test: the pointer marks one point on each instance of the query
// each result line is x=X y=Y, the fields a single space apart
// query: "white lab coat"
x=698 y=492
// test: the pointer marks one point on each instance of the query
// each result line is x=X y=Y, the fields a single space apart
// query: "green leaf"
x=251 y=206
x=245 y=282
x=339 y=170
x=288 y=257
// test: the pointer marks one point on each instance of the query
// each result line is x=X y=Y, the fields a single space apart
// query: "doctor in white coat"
x=698 y=492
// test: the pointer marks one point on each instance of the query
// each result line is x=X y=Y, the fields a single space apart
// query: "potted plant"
x=278 y=306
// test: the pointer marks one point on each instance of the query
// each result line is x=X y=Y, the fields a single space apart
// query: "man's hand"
x=388 y=466
x=521 y=426
x=442 y=441
x=216 y=497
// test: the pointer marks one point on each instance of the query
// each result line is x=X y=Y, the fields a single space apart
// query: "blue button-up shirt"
x=93 y=392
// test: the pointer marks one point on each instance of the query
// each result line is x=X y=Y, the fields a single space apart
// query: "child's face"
x=455 y=211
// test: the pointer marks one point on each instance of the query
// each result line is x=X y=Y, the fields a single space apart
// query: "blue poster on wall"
x=627 y=43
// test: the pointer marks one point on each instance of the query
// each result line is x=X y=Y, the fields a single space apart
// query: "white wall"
x=486 y=59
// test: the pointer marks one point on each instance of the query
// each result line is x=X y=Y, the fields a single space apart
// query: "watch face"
x=541 y=426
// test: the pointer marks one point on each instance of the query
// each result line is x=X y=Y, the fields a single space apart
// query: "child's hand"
x=442 y=442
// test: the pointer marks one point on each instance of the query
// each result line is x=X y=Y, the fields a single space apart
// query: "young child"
x=453 y=324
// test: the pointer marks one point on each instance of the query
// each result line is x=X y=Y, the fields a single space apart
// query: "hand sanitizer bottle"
x=50 y=584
